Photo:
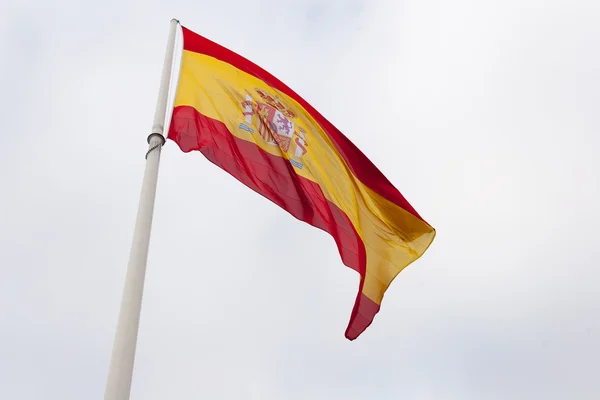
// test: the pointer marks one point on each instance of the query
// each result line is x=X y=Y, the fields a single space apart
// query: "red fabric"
x=274 y=178
x=358 y=163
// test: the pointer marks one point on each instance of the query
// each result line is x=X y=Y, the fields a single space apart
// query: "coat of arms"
x=275 y=125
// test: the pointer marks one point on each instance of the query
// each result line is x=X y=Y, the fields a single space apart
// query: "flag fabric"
x=257 y=129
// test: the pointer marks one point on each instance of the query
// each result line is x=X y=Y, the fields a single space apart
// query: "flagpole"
x=118 y=384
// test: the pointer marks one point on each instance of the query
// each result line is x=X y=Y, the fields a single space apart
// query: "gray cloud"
x=482 y=113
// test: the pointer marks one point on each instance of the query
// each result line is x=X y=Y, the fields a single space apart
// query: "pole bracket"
x=157 y=145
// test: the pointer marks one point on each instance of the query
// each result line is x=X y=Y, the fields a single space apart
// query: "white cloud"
x=482 y=113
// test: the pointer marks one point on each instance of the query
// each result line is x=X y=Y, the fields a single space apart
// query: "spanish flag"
x=250 y=124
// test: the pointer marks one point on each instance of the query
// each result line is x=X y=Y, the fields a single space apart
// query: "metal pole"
x=118 y=384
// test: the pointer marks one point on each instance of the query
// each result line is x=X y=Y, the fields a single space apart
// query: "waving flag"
x=250 y=124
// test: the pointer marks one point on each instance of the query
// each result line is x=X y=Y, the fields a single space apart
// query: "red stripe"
x=358 y=163
x=274 y=178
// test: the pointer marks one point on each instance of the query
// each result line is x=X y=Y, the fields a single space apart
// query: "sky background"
x=484 y=114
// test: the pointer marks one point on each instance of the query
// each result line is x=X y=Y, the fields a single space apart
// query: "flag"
x=257 y=129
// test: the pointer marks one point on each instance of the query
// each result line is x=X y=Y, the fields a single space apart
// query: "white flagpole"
x=118 y=384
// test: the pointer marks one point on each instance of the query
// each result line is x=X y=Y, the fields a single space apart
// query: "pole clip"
x=157 y=145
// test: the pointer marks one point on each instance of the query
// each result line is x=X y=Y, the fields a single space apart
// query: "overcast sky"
x=484 y=114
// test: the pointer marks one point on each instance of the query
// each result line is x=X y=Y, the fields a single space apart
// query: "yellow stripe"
x=393 y=237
